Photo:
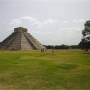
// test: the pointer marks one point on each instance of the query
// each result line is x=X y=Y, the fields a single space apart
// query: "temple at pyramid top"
x=20 y=39
x=20 y=29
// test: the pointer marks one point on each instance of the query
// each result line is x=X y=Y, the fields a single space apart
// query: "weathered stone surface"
x=20 y=39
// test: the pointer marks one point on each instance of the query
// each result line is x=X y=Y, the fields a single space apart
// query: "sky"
x=52 y=22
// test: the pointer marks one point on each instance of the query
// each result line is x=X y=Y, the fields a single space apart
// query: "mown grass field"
x=33 y=70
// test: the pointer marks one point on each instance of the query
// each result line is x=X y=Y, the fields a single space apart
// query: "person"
x=43 y=49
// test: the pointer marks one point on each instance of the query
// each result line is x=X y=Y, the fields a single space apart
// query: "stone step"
x=36 y=43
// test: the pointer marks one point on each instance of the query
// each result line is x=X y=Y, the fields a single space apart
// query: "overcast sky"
x=50 y=21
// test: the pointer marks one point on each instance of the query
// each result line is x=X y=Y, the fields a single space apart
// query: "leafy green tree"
x=85 y=42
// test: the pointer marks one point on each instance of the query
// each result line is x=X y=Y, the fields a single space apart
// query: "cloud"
x=30 y=22
x=74 y=21
x=25 y=21
x=49 y=21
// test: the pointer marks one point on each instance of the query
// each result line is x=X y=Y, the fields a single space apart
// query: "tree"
x=85 y=42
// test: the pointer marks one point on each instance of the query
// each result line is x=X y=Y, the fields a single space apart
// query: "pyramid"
x=20 y=39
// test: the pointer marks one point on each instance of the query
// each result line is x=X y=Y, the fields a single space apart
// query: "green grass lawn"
x=33 y=70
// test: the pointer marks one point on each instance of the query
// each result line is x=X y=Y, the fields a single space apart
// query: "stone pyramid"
x=20 y=39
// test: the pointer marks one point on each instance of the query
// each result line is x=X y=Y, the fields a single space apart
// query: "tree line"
x=62 y=46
